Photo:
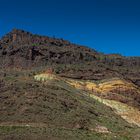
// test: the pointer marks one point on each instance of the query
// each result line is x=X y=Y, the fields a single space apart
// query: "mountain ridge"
x=20 y=48
x=53 y=89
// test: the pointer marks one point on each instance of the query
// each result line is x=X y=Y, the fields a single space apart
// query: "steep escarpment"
x=22 y=49
x=41 y=50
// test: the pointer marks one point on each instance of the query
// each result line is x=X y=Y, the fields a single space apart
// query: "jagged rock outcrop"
x=39 y=48
x=23 y=49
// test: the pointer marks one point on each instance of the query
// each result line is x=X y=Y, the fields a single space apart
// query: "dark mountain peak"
x=42 y=49
x=23 y=49
x=19 y=32
x=16 y=36
x=16 y=31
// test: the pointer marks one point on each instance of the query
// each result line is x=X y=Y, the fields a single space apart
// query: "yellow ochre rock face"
x=127 y=112
x=116 y=83
x=44 y=77
x=103 y=87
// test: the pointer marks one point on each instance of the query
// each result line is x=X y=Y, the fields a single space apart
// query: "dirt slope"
x=115 y=93
x=54 y=109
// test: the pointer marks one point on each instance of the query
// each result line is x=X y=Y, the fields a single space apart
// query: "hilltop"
x=23 y=49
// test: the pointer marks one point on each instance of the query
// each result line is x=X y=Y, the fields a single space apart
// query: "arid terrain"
x=51 y=89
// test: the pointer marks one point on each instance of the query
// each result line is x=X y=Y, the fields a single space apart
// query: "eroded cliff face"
x=122 y=96
x=41 y=49
x=25 y=50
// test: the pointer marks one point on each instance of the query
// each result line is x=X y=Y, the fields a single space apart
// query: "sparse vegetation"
x=47 y=87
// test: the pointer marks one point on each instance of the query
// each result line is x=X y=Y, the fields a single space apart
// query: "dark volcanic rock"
x=27 y=46
x=23 y=49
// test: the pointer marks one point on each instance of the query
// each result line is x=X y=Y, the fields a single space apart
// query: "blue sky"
x=109 y=26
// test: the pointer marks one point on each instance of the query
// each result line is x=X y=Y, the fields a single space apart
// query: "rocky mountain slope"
x=23 y=49
x=53 y=89
x=118 y=94
x=47 y=106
